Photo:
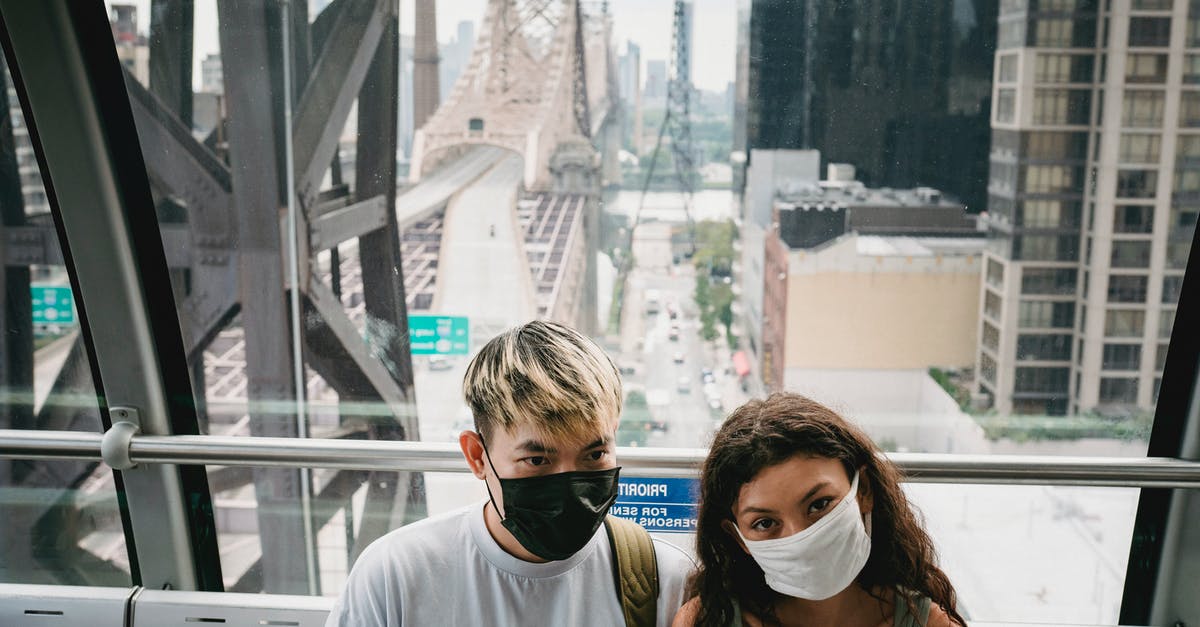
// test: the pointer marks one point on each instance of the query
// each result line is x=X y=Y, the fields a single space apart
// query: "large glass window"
x=1189 y=109
x=498 y=219
x=1118 y=390
x=62 y=519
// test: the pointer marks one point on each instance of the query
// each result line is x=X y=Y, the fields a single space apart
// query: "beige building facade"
x=871 y=302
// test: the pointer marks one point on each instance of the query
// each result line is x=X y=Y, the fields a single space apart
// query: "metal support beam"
x=251 y=66
x=332 y=324
x=337 y=76
x=356 y=220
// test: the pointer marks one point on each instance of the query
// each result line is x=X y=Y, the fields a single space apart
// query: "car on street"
x=673 y=334
x=706 y=375
x=678 y=357
x=684 y=385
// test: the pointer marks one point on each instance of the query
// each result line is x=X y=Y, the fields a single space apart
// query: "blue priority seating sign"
x=659 y=505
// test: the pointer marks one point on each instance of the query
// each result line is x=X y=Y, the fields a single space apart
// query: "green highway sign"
x=438 y=335
x=53 y=304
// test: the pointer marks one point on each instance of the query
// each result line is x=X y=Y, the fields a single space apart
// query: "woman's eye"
x=762 y=524
x=819 y=505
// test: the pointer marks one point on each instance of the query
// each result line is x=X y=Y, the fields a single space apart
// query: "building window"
x=1123 y=288
x=1187 y=181
x=1166 y=323
x=1121 y=357
x=991 y=304
x=1006 y=105
x=1133 y=219
x=1048 y=281
x=1139 y=148
x=991 y=336
x=1130 y=254
x=1160 y=357
x=1192 y=34
x=1191 y=68
x=1149 y=32
x=1187 y=147
x=1010 y=34
x=1046 y=247
x=1063 y=68
x=1189 y=109
x=1137 y=183
x=1152 y=5
x=1044 y=347
x=1172 y=287
x=1049 y=214
x=1053 y=33
x=1007 y=72
x=1143 y=109
x=1031 y=380
x=1177 y=254
x=1061 y=106
x=1124 y=323
x=995 y=273
x=1042 y=314
x=1146 y=68
x=987 y=368
x=1118 y=390
x=1051 y=179
x=1058 y=145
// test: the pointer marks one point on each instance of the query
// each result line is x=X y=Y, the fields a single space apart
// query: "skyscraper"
x=901 y=93
x=1093 y=199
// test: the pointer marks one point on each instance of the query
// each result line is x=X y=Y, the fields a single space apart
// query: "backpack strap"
x=635 y=571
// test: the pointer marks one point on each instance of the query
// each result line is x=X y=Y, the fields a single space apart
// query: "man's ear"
x=472 y=449
x=866 y=495
x=728 y=527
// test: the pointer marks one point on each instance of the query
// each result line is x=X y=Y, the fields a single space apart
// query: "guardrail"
x=1142 y=472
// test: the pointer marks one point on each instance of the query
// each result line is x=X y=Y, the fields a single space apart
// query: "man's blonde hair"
x=545 y=375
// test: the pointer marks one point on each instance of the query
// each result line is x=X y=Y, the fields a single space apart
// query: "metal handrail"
x=1137 y=472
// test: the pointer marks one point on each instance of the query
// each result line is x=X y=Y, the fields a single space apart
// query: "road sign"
x=659 y=505
x=53 y=304
x=439 y=335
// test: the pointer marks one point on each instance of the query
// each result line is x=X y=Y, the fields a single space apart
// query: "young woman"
x=803 y=522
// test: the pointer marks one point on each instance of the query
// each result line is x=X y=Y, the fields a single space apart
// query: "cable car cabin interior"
x=250 y=248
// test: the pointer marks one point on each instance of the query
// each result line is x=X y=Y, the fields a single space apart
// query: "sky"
x=645 y=22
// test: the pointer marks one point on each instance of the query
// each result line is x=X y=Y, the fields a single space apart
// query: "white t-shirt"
x=448 y=570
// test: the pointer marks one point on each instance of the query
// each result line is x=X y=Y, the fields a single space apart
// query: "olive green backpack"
x=635 y=571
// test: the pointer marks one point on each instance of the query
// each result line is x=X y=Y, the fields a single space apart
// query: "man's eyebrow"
x=600 y=442
x=533 y=446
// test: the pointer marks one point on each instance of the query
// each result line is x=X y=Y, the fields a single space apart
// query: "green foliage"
x=635 y=420
x=1135 y=427
x=714 y=264
x=960 y=394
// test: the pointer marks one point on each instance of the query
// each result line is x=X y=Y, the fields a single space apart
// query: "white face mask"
x=822 y=560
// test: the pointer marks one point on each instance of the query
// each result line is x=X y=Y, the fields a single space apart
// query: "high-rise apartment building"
x=1093 y=199
x=900 y=90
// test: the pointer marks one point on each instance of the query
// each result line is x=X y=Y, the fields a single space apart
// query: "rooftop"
x=849 y=194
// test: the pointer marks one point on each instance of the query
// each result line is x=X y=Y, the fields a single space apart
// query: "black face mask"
x=553 y=516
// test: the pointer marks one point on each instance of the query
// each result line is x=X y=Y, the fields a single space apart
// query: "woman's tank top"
x=902 y=618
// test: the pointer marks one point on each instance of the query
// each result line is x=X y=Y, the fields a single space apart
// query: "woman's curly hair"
x=764 y=433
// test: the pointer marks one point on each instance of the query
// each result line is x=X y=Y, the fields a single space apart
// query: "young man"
x=546 y=401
